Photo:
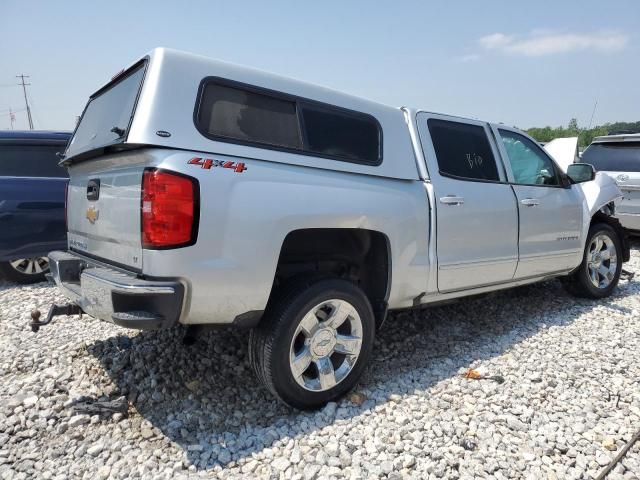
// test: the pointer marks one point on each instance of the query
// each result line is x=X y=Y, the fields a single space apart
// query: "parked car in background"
x=618 y=156
x=32 y=196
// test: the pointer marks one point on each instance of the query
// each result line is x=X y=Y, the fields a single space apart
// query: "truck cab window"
x=463 y=151
x=530 y=166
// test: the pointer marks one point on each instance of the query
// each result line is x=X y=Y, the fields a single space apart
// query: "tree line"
x=585 y=135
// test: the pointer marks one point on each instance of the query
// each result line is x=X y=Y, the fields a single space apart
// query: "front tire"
x=599 y=272
x=314 y=342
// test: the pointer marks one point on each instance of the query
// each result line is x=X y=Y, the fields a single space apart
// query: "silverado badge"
x=92 y=215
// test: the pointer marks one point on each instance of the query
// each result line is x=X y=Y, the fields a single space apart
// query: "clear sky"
x=522 y=63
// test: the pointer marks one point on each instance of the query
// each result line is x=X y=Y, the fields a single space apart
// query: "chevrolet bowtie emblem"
x=92 y=215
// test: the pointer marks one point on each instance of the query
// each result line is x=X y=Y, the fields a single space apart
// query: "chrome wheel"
x=326 y=345
x=602 y=261
x=31 y=266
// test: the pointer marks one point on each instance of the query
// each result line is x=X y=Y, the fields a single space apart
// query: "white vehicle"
x=618 y=156
x=206 y=193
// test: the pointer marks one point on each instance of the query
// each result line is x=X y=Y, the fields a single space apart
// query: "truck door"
x=476 y=210
x=550 y=210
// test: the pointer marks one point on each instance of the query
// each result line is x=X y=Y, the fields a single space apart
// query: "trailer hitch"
x=55 y=310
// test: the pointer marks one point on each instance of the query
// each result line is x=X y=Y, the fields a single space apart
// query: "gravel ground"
x=569 y=399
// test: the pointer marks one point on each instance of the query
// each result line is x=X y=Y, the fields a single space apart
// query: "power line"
x=24 y=89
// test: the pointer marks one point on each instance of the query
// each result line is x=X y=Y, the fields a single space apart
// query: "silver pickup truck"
x=207 y=193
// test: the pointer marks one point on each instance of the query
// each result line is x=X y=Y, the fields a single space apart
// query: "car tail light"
x=170 y=209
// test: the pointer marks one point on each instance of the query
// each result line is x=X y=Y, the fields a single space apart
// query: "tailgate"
x=103 y=209
x=629 y=184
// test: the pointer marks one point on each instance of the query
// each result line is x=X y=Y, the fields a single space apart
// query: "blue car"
x=32 y=202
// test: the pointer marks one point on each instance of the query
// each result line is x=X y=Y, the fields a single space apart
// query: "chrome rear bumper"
x=115 y=296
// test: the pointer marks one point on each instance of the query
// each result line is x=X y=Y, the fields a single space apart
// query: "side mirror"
x=581 y=172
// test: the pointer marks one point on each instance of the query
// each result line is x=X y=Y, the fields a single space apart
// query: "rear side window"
x=613 y=157
x=463 y=151
x=243 y=115
x=31 y=161
x=249 y=115
x=337 y=134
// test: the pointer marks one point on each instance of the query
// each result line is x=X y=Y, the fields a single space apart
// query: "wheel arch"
x=362 y=256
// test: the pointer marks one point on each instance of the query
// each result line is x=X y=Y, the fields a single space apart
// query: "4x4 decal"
x=207 y=163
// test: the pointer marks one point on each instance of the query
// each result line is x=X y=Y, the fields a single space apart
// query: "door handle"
x=530 y=202
x=452 y=200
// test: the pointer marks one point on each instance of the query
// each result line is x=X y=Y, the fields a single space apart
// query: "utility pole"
x=12 y=117
x=24 y=89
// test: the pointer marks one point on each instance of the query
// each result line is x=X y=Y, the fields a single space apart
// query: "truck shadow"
x=184 y=392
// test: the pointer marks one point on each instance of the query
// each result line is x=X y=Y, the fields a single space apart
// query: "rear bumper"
x=629 y=221
x=117 y=297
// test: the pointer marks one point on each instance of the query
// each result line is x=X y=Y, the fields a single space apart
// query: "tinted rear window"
x=31 y=161
x=274 y=120
x=613 y=157
x=243 y=115
x=462 y=150
x=337 y=134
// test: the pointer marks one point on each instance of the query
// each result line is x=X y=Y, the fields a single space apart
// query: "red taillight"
x=169 y=209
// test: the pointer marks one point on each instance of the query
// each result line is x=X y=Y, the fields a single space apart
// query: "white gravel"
x=570 y=397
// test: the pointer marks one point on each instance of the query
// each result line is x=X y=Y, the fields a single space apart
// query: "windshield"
x=613 y=157
x=106 y=119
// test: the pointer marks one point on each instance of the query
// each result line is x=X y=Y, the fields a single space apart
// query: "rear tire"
x=25 y=270
x=599 y=272
x=314 y=342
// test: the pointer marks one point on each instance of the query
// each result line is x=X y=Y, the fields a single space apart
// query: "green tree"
x=572 y=129
x=585 y=136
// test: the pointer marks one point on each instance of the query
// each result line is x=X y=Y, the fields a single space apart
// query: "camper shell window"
x=239 y=113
